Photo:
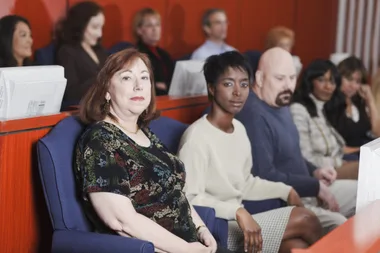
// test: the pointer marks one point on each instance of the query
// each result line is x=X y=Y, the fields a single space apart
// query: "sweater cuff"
x=231 y=212
x=311 y=167
x=285 y=190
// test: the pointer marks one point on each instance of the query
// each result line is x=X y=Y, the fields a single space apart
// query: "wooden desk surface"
x=360 y=234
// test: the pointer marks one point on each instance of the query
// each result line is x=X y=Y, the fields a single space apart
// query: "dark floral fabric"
x=107 y=160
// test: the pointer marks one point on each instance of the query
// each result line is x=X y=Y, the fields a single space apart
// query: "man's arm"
x=262 y=141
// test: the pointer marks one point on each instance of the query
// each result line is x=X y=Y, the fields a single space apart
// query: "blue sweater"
x=275 y=146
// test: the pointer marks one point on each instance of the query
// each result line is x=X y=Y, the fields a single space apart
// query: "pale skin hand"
x=207 y=239
x=161 y=86
x=327 y=198
x=204 y=234
x=327 y=175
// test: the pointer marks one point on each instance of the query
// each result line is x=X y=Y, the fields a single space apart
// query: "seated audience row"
x=78 y=48
x=217 y=155
x=122 y=167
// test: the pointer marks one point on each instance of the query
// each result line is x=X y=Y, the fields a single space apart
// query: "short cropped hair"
x=276 y=34
x=93 y=105
x=138 y=20
x=208 y=13
x=216 y=65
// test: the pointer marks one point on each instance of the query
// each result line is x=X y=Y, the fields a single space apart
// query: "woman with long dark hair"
x=15 y=41
x=79 y=50
x=356 y=117
x=321 y=144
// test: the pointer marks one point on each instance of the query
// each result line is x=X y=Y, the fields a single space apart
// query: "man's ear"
x=206 y=29
x=259 y=78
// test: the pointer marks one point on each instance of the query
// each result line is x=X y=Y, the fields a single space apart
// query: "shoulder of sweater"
x=196 y=130
x=238 y=124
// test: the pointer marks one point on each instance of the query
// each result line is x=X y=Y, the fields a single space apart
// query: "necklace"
x=131 y=132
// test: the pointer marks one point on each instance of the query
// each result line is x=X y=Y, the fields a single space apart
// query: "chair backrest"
x=169 y=131
x=45 y=55
x=253 y=57
x=55 y=160
x=119 y=46
x=185 y=57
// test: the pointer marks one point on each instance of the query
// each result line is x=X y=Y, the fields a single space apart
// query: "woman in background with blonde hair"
x=281 y=36
x=147 y=33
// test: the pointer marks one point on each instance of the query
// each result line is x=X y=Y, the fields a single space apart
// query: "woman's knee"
x=305 y=220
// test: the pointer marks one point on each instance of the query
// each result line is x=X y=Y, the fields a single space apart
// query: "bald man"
x=275 y=143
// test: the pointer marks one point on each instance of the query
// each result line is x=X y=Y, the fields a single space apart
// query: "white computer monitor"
x=31 y=91
x=369 y=174
x=188 y=79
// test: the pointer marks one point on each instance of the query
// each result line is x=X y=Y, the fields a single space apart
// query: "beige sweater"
x=218 y=169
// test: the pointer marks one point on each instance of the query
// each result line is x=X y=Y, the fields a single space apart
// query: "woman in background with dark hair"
x=15 y=41
x=147 y=33
x=79 y=50
x=356 y=117
x=320 y=143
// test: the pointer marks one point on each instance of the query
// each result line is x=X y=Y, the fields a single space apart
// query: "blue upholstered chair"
x=184 y=57
x=253 y=57
x=72 y=230
x=119 y=46
x=45 y=55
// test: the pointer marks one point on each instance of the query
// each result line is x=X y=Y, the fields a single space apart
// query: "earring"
x=106 y=106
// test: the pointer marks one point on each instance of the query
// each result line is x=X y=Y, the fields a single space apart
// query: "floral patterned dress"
x=107 y=160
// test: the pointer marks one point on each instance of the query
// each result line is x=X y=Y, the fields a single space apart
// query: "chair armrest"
x=207 y=215
x=220 y=232
x=71 y=241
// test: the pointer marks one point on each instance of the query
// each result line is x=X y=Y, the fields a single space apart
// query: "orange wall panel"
x=315 y=29
x=257 y=17
x=42 y=14
x=313 y=21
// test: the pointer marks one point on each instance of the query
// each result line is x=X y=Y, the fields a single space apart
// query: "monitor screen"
x=188 y=79
x=369 y=174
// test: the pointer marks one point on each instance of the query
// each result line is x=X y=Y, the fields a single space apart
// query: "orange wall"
x=314 y=21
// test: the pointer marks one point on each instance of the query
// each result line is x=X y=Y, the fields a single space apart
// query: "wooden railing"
x=360 y=234
x=24 y=220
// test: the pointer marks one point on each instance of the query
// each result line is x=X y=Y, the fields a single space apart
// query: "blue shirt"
x=275 y=146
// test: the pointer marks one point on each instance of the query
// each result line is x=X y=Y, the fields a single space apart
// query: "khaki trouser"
x=345 y=192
